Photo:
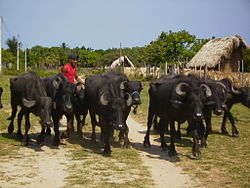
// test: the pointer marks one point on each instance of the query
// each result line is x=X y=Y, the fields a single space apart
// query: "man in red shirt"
x=69 y=69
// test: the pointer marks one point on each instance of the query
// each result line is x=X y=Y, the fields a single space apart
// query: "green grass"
x=225 y=163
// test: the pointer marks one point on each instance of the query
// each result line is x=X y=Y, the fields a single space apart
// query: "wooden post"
x=166 y=68
x=242 y=73
x=205 y=72
x=0 y=44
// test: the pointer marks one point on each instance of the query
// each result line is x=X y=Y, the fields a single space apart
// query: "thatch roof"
x=213 y=51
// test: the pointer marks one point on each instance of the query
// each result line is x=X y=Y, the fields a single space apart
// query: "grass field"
x=226 y=161
x=87 y=166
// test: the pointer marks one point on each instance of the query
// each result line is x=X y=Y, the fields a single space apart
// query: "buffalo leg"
x=178 y=132
x=223 y=126
x=19 y=123
x=93 y=123
x=25 y=140
x=161 y=126
x=149 y=124
x=40 y=138
x=56 y=119
x=70 y=127
x=126 y=140
x=106 y=129
x=13 y=115
x=79 y=125
x=195 y=135
x=235 y=132
x=172 y=151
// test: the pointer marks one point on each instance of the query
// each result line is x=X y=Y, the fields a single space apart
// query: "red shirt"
x=70 y=72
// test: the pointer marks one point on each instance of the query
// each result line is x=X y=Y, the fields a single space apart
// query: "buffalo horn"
x=122 y=85
x=129 y=100
x=178 y=89
x=104 y=101
x=208 y=90
x=28 y=103
x=56 y=82
x=235 y=91
x=221 y=84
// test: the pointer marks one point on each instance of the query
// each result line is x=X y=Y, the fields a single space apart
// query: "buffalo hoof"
x=146 y=144
x=48 y=132
x=10 y=129
x=197 y=154
x=178 y=134
x=25 y=142
x=56 y=142
x=203 y=144
x=93 y=138
x=189 y=133
x=39 y=140
x=164 y=147
x=121 y=141
x=65 y=135
x=19 y=134
x=107 y=152
x=128 y=146
x=224 y=132
x=172 y=153
x=79 y=133
x=235 y=134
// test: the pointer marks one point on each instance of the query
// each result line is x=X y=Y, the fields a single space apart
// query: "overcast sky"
x=103 y=24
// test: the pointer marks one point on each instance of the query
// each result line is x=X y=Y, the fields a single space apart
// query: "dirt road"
x=164 y=172
x=46 y=166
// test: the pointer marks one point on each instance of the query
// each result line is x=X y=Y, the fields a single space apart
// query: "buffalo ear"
x=104 y=99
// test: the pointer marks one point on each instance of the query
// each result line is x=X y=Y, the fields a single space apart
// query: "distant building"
x=222 y=54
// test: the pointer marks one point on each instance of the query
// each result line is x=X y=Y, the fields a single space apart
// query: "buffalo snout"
x=119 y=127
x=198 y=116
x=48 y=124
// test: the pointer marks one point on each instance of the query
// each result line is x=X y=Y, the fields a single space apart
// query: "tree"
x=12 y=45
x=246 y=58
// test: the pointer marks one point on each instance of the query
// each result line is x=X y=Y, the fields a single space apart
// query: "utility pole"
x=0 y=44
x=25 y=59
x=17 y=54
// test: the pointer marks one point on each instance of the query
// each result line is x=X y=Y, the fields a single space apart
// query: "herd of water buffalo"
x=110 y=97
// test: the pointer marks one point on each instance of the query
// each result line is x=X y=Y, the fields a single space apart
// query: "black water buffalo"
x=62 y=92
x=236 y=95
x=80 y=109
x=28 y=92
x=133 y=88
x=215 y=102
x=1 y=91
x=106 y=98
x=176 y=99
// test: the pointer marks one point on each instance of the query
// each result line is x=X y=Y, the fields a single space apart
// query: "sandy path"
x=35 y=167
x=164 y=172
x=43 y=166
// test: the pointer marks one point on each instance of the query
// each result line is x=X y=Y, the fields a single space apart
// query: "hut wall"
x=231 y=64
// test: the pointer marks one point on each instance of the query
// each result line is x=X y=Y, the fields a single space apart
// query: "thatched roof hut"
x=220 y=54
